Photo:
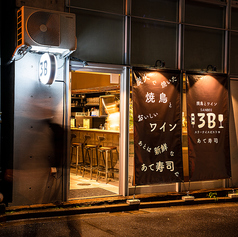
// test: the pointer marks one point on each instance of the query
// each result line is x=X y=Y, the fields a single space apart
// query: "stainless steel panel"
x=38 y=135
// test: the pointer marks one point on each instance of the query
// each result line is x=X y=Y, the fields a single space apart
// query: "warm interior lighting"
x=207 y=84
x=113 y=117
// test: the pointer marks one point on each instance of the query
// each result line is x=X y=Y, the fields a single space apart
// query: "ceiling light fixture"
x=211 y=68
x=162 y=63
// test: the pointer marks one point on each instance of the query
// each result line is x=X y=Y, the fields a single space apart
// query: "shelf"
x=92 y=104
x=85 y=105
x=72 y=106
x=76 y=98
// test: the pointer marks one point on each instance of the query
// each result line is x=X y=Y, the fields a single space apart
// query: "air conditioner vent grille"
x=19 y=28
x=44 y=28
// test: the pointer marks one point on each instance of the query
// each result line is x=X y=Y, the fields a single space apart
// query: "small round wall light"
x=47 y=68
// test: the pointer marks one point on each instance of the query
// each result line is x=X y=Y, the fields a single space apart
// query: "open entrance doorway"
x=95 y=132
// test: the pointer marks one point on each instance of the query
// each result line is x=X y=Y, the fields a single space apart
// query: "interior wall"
x=82 y=80
x=38 y=134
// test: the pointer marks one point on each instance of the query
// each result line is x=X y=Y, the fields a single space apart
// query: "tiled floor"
x=79 y=182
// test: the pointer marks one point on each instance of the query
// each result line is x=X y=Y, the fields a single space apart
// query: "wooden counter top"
x=94 y=130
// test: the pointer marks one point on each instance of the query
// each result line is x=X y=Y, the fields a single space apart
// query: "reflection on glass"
x=115 y=6
x=150 y=37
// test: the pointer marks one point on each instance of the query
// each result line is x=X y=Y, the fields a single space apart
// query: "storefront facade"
x=189 y=37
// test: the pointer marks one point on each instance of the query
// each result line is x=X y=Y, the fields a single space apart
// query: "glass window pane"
x=160 y=9
x=234 y=18
x=204 y=14
x=234 y=2
x=152 y=41
x=234 y=53
x=99 y=37
x=203 y=47
x=115 y=6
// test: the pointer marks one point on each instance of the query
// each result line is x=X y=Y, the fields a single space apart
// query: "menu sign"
x=157 y=126
x=208 y=132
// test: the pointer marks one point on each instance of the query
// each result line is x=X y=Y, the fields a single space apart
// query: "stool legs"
x=81 y=163
x=106 y=169
x=107 y=165
x=86 y=153
x=90 y=165
x=77 y=159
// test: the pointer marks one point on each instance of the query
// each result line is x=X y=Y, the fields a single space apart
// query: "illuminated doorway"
x=95 y=97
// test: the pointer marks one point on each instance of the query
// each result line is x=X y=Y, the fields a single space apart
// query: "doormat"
x=89 y=192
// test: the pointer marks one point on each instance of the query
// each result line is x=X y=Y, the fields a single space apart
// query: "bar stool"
x=107 y=150
x=73 y=145
x=76 y=145
x=91 y=157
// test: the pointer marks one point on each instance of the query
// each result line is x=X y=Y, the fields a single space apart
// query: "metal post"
x=124 y=111
x=225 y=183
x=124 y=132
x=178 y=187
x=180 y=54
x=127 y=32
x=67 y=104
x=227 y=27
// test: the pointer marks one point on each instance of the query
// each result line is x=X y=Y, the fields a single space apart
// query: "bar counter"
x=94 y=130
x=111 y=136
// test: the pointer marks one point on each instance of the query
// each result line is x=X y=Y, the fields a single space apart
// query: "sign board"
x=157 y=126
x=208 y=130
x=47 y=68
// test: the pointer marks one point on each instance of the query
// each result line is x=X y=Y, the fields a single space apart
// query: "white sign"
x=47 y=68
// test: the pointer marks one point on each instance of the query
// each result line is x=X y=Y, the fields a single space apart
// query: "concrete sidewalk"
x=115 y=204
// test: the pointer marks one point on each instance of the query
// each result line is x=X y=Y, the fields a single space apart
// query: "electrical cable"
x=85 y=64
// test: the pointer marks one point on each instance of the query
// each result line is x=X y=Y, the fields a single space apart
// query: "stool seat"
x=76 y=144
x=107 y=148
x=90 y=146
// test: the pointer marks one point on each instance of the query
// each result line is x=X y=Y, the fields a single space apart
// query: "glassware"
x=220 y=119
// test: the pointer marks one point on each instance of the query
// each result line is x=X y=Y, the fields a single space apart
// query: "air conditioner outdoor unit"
x=43 y=30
